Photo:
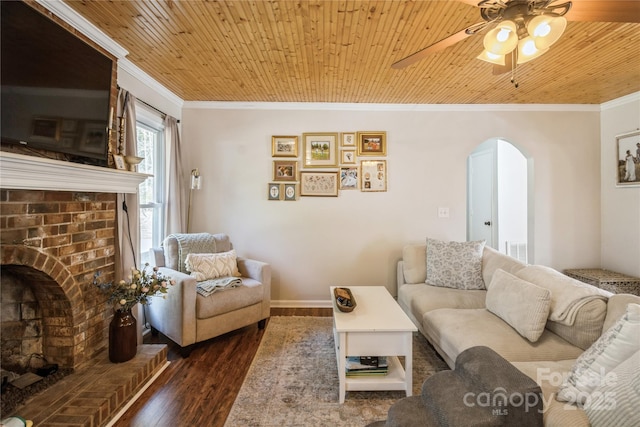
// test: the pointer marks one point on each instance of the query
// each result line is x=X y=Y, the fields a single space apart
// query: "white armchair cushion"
x=212 y=266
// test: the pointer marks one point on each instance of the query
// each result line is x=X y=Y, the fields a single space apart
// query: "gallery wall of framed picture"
x=323 y=164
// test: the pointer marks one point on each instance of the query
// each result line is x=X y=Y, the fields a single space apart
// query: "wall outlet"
x=443 y=212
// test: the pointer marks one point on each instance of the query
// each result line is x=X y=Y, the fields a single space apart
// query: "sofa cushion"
x=422 y=298
x=211 y=266
x=579 y=322
x=615 y=402
x=617 y=307
x=229 y=300
x=414 y=265
x=549 y=374
x=616 y=345
x=587 y=326
x=455 y=264
x=455 y=330
x=521 y=304
x=493 y=260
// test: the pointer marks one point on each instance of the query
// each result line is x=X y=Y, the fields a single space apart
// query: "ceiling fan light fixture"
x=528 y=50
x=491 y=58
x=502 y=39
x=546 y=29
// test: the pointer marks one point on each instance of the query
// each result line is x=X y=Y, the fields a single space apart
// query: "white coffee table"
x=376 y=327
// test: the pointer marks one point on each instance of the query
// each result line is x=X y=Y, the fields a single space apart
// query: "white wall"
x=512 y=195
x=620 y=205
x=356 y=238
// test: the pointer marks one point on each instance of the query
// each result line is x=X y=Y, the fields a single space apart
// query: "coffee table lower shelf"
x=394 y=380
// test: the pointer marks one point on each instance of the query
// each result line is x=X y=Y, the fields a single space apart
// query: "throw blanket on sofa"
x=193 y=243
x=567 y=295
x=208 y=287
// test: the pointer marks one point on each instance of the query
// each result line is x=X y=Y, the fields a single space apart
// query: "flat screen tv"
x=55 y=87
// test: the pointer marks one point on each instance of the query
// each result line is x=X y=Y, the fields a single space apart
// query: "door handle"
x=487 y=223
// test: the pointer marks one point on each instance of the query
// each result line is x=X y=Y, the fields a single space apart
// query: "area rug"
x=293 y=379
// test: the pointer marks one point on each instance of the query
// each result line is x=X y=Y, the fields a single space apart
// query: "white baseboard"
x=301 y=303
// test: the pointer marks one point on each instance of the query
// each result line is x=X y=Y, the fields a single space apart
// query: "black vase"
x=123 y=337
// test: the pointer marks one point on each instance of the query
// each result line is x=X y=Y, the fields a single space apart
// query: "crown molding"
x=129 y=67
x=221 y=105
x=77 y=21
x=618 y=102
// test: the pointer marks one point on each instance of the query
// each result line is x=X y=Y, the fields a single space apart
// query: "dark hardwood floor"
x=200 y=390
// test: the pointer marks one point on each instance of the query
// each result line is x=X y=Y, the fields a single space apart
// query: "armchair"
x=185 y=316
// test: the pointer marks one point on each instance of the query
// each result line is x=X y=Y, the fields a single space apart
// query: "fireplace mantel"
x=21 y=172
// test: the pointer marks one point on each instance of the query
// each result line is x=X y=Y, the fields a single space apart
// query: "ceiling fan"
x=521 y=30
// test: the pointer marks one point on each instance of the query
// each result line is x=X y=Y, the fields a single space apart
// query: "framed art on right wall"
x=628 y=159
x=372 y=143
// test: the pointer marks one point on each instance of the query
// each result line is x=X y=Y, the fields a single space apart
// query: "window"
x=150 y=146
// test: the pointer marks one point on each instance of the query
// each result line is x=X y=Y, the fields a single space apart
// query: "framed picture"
x=285 y=170
x=348 y=157
x=45 y=129
x=349 y=178
x=284 y=146
x=348 y=139
x=628 y=161
x=93 y=137
x=318 y=183
x=373 y=175
x=118 y=160
x=274 y=191
x=291 y=192
x=372 y=143
x=320 y=149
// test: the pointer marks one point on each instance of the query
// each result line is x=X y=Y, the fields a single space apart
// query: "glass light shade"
x=502 y=39
x=491 y=58
x=546 y=29
x=527 y=50
x=196 y=182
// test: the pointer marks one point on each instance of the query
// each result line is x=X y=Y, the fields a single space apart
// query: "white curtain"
x=174 y=215
x=127 y=206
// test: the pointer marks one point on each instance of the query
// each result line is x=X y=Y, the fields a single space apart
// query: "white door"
x=482 y=189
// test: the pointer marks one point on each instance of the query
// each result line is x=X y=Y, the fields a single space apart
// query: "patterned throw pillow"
x=212 y=266
x=593 y=367
x=455 y=264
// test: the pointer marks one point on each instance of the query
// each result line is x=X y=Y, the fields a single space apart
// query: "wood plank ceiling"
x=342 y=51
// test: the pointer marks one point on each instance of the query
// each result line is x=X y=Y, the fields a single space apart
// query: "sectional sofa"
x=462 y=295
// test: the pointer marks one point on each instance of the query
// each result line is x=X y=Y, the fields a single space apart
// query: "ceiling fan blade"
x=436 y=47
x=604 y=11
x=509 y=60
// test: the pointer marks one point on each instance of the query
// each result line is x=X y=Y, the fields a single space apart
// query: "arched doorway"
x=500 y=198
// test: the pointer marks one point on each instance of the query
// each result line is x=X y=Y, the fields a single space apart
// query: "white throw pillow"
x=616 y=401
x=212 y=266
x=455 y=264
x=613 y=347
x=523 y=305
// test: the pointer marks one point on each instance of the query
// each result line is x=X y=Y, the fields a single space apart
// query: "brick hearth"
x=94 y=394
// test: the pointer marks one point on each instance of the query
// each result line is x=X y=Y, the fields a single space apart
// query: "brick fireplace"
x=57 y=229
x=52 y=243
x=58 y=223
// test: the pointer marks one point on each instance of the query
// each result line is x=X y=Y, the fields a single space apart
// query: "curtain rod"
x=154 y=108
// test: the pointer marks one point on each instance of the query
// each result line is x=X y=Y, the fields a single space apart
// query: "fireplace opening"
x=35 y=335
